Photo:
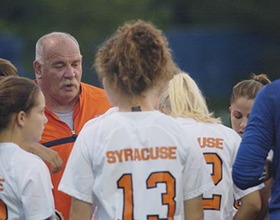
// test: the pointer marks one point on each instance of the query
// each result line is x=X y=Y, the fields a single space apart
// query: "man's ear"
x=20 y=118
x=37 y=69
x=229 y=109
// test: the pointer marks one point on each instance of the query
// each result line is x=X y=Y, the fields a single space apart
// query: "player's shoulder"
x=222 y=129
x=24 y=163
x=167 y=122
x=97 y=119
x=98 y=126
x=218 y=130
x=225 y=129
x=19 y=154
x=228 y=134
x=30 y=159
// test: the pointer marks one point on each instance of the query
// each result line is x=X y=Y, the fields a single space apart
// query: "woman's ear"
x=20 y=118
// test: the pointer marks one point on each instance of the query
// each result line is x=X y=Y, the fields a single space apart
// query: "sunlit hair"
x=16 y=94
x=249 y=88
x=7 y=68
x=47 y=39
x=137 y=57
x=183 y=98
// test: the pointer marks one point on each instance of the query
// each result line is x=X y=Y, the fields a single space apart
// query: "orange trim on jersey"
x=3 y=211
x=1 y=184
x=92 y=102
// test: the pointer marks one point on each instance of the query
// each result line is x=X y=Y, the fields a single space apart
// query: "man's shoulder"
x=92 y=91
x=88 y=87
x=93 y=94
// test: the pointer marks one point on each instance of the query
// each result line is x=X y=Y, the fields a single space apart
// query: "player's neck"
x=10 y=135
x=136 y=103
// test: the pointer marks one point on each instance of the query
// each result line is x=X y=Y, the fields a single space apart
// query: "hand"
x=268 y=172
x=50 y=156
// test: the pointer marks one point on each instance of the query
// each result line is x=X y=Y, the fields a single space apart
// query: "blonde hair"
x=183 y=98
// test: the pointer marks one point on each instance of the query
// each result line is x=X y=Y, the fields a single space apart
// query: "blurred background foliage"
x=93 y=21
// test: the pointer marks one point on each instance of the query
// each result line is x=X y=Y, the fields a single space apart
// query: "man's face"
x=61 y=72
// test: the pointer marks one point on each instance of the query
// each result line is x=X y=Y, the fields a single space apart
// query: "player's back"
x=219 y=144
x=143 y=166
x=25 y=185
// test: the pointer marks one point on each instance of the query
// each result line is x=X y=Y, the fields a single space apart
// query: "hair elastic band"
x=136 y=109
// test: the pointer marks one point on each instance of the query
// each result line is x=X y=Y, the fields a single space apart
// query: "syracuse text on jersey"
x=210 y=142
x=138 y=154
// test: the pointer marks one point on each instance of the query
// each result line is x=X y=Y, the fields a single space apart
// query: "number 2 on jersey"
x=168 y=198
x=213 y=159
x=3 y=211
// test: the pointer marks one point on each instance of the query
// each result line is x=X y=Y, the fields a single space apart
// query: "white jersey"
x=219 y=144
x=25 y=185
x=134 y=165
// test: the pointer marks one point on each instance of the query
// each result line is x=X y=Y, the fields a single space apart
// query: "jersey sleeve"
x=239 y=193
x=78 y=177
x=255 y=145
x=197 y=178
x=36 y=191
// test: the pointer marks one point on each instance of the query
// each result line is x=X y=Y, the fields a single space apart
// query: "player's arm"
x=48 y=155
x=80 y=210
x=193 y=209
x=265 y=195
x=250 y=206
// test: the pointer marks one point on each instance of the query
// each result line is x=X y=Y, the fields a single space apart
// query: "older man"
x=70 y=102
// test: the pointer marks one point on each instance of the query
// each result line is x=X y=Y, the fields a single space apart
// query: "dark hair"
x=7 y=68
x=137 y=56
x=16 y=94
x=249 y=88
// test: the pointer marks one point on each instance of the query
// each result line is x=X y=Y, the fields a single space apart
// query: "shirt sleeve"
x=78 y=177
x=256 y=143
x=239 y=193
x=36 y=190
x=197 y=178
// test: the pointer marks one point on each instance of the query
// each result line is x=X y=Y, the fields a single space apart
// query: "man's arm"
x=48 y=155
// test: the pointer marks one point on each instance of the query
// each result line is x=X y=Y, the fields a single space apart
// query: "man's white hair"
x=39 y=48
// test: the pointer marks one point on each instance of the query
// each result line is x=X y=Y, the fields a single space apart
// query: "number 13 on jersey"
x=168 y=198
